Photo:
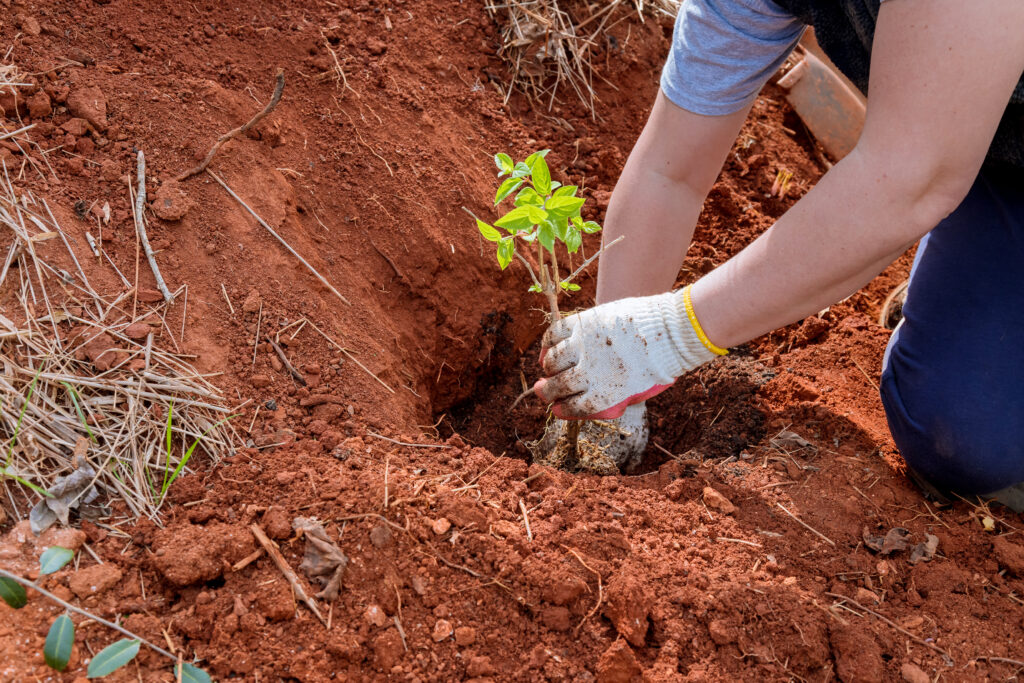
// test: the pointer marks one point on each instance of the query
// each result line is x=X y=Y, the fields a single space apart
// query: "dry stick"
x=296 y=375
x=279 y=238
x=140 y=225
x=946 y=656
x=247 y=560
x=526 y=520
x=87 y=615
x=1004 y=660
x=405 y=443
x=807 y=526
x=16 y=132
x=282 y=565
x=275 y=98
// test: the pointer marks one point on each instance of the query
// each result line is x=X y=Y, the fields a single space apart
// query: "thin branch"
x=140 y=224
x=592 y=258
x=87 y=615
x=289 y=574
x=896 y=626
x=279 y=238
x=275 y=98
x=807 y=526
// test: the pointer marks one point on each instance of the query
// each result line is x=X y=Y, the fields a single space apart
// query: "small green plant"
x=5 y=470
x=61 y=637
x=546 y=214
x=171 y=475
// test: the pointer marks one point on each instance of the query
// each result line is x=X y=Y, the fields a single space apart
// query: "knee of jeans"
x=953 y=448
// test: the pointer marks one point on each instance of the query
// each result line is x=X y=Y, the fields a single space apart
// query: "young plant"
x=61 y=637
x=545 y=214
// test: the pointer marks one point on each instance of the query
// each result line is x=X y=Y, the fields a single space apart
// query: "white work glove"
x=598 y=362
x=622 y=440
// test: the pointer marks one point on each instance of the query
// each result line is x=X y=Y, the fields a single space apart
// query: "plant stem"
x=593 y=257
x=78 y=610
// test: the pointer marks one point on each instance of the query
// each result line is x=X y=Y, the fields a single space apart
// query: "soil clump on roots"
x=736 y=553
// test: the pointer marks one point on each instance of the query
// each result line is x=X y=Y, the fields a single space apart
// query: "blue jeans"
x=953 y=374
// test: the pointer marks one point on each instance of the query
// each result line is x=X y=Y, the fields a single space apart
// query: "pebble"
x=376 y=616
x=716 y=501
x=441 y=526
x=465 y=635
x=442 y=630
x=912 y=673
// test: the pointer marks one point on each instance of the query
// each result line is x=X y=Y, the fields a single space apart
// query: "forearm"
x=659 y=197
x=830 y=244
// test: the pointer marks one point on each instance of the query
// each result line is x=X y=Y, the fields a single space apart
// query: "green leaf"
x=489 y=233
x=577 y=221
x=546 y=235
x=528 y=195
x=503 y=162
x=57 y=649
x=191 y=674
x=541 y=176
x=561 y=226
x=506 y=249
x=590 y=227
x=113 y=657
x=565 y=191
x=520 y=170
x=536 y=155
x=506 y=188
x=53 y=558
x=537 y=215
x=563 y=207
x=534 y=288
x=12 y=593
x=515 y=220
x=569 y=286
x=573 y=240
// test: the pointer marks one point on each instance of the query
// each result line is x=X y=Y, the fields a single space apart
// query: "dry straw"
x=135 y=425
x=548 y=43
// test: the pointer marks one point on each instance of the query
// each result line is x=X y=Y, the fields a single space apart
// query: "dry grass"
x=55 y=401
x=548 y=44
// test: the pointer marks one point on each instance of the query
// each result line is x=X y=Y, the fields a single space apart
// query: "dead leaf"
x=925 y=550
x=988 y=523
x=323 y=562
x=105 y=212
x=67 y=493
x=43 y=236
x=787 y=441
x=893 y=541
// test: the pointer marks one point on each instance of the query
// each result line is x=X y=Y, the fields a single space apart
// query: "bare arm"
x=659 y=196
x=942 y=72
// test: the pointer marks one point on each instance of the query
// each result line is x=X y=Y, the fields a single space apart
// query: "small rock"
x=866 y=597
x=276 y=523
x=149 y=296
x=137 y=330
x=376 y=616
x=85 y=146
x=170 y=202
x=618 y=664
x=442 y=630
x=39 y=105
x=465 y=635
x=260 y=381
x=716 y=501
x=77 y=127
x=94 y=580
x=441 y=526
x=912 y=673
x=90 y=104
x=252 y=301
x=479 y=666
x=380 y=536
x=285 y=478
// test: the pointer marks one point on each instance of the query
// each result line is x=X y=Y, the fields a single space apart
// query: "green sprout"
x=546 y=213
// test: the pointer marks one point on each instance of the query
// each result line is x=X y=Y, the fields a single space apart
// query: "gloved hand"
x=599 y=361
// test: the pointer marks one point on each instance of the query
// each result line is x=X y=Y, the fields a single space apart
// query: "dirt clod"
x=627 y=606
x=1009 y=554
x=187 y=554
x=89 y=103
x=465 y=636
x=170 y=202
x=912 y=673
x=442 y=630
x=618 y=664
x=94 y=580
x=716 y=501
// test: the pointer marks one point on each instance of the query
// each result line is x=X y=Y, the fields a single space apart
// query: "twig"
x=1004 y=660
x=600 y=589
x=387 y=466
x=279 y=238
x=15 y=132
x=594 y=256
x=247 y=560
x=296 y=375
x=866 y=375
x=140 y=225
x=739 y=540
x=526 y=520
x=807 y=526
x=282 y=565
x=275 y=98
x=87 y=615
x=520 y=397
x=920 y=641
x=227 y=298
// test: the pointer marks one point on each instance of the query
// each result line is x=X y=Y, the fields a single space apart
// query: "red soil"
x=616 y=578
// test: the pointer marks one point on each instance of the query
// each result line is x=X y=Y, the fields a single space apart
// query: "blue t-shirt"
x=723 y=52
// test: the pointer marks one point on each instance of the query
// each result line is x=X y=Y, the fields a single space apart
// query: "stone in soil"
x=171 y=203
x=912 y=673
x=94 y=580
x=716 y=501
x=89 y=103
x=442 y=630
x=39 y=105
x=465 y=635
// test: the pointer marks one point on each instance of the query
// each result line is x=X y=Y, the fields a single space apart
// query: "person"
x=940 y=160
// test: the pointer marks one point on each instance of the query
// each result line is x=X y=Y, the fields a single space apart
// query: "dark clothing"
x=953 y=376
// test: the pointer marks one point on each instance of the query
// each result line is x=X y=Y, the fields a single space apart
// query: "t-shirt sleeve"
x=723 y=52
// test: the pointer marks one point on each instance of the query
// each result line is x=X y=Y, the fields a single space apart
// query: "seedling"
x=61 y=637
x=546 y=214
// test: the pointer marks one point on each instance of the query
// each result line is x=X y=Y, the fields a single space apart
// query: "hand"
x=599 y=362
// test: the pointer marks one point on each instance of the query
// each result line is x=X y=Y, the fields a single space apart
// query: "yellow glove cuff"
x=688 y=303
